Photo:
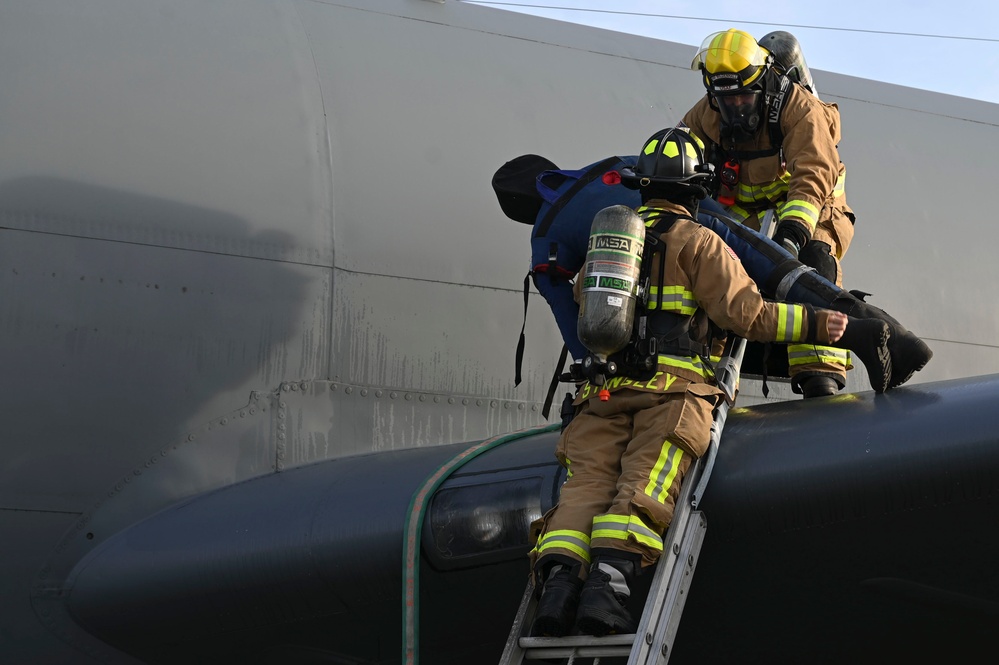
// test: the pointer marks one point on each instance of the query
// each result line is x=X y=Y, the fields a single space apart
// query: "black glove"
x=791 y=236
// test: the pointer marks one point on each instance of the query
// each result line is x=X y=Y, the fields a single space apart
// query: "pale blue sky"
x=967 y=67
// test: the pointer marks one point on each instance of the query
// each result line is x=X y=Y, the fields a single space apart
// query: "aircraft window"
x=483 y=522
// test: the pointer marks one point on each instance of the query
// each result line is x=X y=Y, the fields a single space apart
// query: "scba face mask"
x=741 y=113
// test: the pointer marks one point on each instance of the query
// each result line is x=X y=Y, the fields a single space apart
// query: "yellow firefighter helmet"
x=730 y=61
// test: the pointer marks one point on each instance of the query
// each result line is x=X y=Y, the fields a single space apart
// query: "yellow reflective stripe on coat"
x=749 y=193
x=763 y=194
x=566 y=539
x=738 y=213
x=809 y=354
x=778 y=188
x=840 y=188
x=621 y=527
x=674 y=299
x=802 y=210
x=695 y=364
x=664 y=472
x=789 y=321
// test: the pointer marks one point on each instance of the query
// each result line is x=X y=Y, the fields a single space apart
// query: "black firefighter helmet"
x=671 y=162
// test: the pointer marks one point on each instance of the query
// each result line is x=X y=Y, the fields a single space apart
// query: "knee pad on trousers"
x=818 y=255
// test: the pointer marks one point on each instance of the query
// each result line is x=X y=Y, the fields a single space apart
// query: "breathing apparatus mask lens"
x=740 y=112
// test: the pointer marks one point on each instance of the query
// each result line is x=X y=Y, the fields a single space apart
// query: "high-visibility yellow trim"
x=674 y=299
x=654 y=543
x=567 y=533
x=762 y=194
x=789 y=322
x=695 y=365
x=803 y=210
x=664 y=472
x=739 y=213
x=622 y=527
x=809 y=354
x=566 y=539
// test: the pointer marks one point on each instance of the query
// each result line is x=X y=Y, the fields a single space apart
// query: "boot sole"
x=598 y=623
x=549 y=627
x=884 y=357
x=902 y=372
x=882 y=363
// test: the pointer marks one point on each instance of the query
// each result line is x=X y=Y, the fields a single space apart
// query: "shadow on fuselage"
x=135 y=321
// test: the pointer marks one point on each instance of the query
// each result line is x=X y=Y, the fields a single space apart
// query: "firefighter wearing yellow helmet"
x=774 y=146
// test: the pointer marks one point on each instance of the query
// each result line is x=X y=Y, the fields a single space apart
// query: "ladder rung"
x=577 y=641
x=579 y=652
x=581 y=646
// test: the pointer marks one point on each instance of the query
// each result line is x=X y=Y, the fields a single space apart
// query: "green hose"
x=411 y=537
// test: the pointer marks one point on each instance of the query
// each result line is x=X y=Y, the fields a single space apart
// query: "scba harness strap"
x=657 y=331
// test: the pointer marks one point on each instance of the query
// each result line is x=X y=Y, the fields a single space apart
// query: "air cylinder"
x=787 y=53
x=610 y=281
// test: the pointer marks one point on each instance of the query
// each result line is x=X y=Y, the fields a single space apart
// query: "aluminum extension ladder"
x=653 y=642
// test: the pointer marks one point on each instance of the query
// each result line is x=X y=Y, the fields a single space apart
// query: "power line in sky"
x=721 y=20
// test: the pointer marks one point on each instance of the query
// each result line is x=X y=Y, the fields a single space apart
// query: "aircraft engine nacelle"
x=610 y=280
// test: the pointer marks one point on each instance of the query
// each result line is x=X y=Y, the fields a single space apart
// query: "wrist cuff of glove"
x=818 y=327
x=793 y=231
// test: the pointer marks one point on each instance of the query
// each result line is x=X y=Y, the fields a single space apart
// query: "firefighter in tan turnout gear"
x=774 y=146
x=635 y=434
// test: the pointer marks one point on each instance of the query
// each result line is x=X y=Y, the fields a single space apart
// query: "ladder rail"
x=674 y=570
x=660 y=649
x=667 y=568
x=727 y=376
x=513 y=652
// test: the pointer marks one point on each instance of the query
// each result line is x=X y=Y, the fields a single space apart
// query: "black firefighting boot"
x=557 y=606
x=909 y=354
x=603 y=601
x=818 y=385
x=869 y=340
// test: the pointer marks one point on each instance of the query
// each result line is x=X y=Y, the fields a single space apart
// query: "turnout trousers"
x=835 y=230
x=625 y=458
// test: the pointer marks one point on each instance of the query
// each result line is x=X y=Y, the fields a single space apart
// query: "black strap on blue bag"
x=594 y=172
x=520 y=343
